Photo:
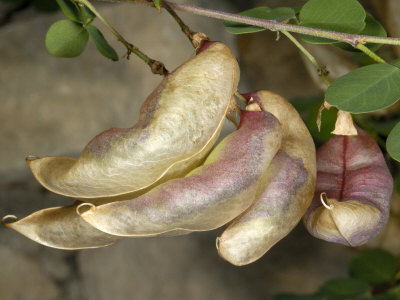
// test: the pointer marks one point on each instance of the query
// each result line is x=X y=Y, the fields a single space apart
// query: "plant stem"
x=155 y=66
x=321 y=70
x=185 y=29
x=371 y=54
x=83 y=14
x=352 y=39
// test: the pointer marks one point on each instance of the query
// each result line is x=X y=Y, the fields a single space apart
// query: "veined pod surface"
x=283 y=195
x=352 y=196
x=209 y=196
x=62 y=228
x=178 y=125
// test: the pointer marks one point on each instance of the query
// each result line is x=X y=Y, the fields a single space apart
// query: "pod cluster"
x=163 y=177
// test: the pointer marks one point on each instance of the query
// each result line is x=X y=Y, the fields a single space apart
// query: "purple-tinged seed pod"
x=352 y=198
x=209 y=196
x=283 y=195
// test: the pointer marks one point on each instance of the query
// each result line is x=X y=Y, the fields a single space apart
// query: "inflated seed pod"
x=284 y=194
x=178 y=124
x=209 y=196
x=388 y=238
x=352 y=196
x=60 y=227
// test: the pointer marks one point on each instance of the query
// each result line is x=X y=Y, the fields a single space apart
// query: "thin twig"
x=352 y=39
x=156 y=67
x=321 y=70
x=185 y=29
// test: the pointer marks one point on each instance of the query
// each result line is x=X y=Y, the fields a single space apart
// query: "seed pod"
x=60 y=227
x=388 y=238
x=178 y=125
x=357 y=185
x=209 y=196
x=284 y=194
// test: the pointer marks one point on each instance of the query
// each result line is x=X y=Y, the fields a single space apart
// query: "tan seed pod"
x=178 y=125
x=284 y=194
x=60 y=227
x=352 y=196
x=209 y=196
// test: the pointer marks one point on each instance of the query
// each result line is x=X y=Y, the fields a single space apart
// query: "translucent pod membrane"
x=352 y=197
x=209 y=196
x=282 y=196
x=178 y=125
x=60 y=227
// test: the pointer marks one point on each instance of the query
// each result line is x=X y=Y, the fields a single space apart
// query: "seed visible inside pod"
x=353 y=175
x=178 y=125
x=209 y=196
x=283 y=195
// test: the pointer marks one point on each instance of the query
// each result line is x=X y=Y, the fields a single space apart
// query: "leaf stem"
x=155 y=66
x=370 y=53
x=321 y=70
x=352 y=39
x=83 y=14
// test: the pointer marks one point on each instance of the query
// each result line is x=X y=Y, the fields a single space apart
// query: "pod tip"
x=8 y=219
x=86 y=208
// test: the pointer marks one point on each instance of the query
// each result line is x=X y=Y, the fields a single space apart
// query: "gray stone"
x=188 y=267
x=23 y=278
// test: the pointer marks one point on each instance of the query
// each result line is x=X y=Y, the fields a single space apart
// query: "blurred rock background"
x=53 y=106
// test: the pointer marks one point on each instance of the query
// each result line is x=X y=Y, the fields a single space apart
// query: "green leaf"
x=279 y=14
x=340 y=289
x=66 y=39
x=296 y=297
x=328 y=120
x=71 y=10
x=157 y=4
x=393 y=142
x=373 y=28
x=338 y=15
x=396 y=63
x=373 y=266
x=365 y=89
x=101 y=44
x=89 y=15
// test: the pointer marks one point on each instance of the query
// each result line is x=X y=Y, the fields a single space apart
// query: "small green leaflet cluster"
x=69 y=37
x=373 y=275
x=367 y=89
